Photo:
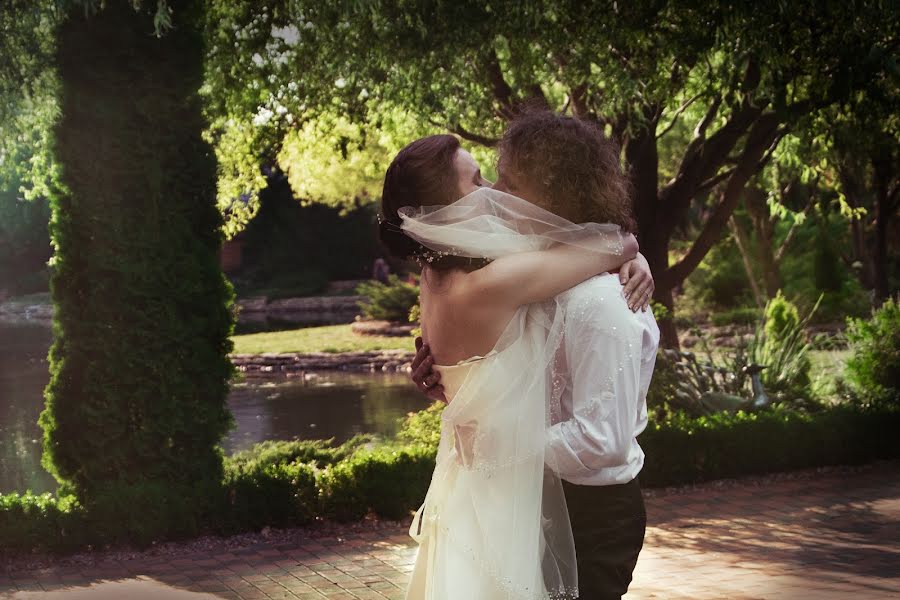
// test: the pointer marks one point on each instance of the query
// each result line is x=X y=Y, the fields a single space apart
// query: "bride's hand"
x=635 y=275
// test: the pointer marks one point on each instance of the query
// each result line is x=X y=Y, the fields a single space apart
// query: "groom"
x=606 y=359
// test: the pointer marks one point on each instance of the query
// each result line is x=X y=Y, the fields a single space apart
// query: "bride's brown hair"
x=422 y=174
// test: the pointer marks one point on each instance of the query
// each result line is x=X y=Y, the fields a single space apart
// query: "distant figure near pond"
x=381 y=270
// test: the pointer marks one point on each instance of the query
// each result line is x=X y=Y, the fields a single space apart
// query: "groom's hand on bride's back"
x=635 y=275
x=426 y=379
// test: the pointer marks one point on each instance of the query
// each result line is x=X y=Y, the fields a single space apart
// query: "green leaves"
x=874 y=365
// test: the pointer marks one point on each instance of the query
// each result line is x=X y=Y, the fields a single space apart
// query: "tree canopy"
x=699 y=95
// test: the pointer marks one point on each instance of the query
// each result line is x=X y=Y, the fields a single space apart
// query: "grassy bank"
x=331 y=339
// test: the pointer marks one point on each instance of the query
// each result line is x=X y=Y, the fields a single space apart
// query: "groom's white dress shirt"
x=601 y=377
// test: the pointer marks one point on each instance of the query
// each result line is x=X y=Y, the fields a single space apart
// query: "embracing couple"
x=542 y=355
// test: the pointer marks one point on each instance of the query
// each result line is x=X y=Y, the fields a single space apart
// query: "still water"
x=321 y=405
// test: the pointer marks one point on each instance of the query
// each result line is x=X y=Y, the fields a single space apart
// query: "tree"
x=136 y=404
x=698 y=94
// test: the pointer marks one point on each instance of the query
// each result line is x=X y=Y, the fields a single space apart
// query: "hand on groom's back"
x=638 y=283
x=426 y=379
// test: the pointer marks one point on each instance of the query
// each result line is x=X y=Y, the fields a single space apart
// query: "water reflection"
x=321 y=405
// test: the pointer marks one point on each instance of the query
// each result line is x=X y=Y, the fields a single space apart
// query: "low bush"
x=259 y=493
x=389 y=480
x=31 y=522
x=746 y=315
x=388 y=302
x=781 y=345
x=321 y=453
x=873 y=368
x=683 y=450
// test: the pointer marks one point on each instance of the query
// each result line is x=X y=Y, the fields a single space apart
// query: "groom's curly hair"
x=573 y=164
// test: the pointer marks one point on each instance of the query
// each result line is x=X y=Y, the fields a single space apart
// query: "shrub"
x=874 y=365
x=136 y=402
x=318 y=452
x=389 y=480
x=781 y=345
x=259 y=493
x=389 y=302
x=42 y=522
x=683 y=450
x=423 y=427
x=719 y=281
x=736 y=316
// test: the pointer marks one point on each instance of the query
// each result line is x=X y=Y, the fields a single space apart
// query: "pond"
x=319 y=405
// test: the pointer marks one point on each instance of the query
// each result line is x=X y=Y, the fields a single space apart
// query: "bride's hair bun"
x=422 y=174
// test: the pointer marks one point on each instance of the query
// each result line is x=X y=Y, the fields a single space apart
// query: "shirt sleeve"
x=602 y=342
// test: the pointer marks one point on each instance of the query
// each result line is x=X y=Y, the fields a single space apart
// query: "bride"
x=494 y=523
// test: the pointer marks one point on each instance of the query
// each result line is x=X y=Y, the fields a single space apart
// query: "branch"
x=579 y=106
x=759 y=141
x=740 y=239
x=893 y=198
x=714 y=181
x=474 y=137
x=677 y=114
x=536 y=92
x=502 y=92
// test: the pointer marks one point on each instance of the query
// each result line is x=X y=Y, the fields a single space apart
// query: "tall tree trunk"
x=743 y=245
x=654 y=231
x=136 y=405
x=755 y=202
x=884 y=211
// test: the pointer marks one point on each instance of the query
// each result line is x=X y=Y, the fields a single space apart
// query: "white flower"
x=289 y=33
x=340 y=83
x=263 y=116
x=257 y=59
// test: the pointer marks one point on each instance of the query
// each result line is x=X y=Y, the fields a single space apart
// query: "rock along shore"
x=388 y=361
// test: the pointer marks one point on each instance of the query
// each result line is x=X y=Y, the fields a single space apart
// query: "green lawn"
x=331 y=338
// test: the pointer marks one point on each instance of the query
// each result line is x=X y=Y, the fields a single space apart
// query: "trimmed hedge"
x=683 y=450
x=139 y=374
x=291 y=483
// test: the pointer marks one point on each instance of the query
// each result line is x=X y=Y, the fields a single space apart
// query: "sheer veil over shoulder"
x=494 y=523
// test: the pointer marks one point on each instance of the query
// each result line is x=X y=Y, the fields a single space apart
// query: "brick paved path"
x=832 y=536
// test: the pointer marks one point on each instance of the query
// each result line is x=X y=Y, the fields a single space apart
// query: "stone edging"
x=23 y=312
x=389 y=361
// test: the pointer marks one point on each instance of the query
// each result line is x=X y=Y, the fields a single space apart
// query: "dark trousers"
x=608 y=524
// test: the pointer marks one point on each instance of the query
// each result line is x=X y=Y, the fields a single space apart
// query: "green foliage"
x=874 y=365
x=139 y=373
x=30 y=522
x=318 y=452
x=423 y=427
x=683 y=450
x=392 y=301
x=745 y=315
x=273 y=493
x=781 y=345
x=719 y=281
x=389 y=480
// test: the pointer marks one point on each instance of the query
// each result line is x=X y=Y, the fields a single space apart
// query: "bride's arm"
x=529 y=277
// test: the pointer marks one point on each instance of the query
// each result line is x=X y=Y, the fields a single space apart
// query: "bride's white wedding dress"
x=494 y=523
